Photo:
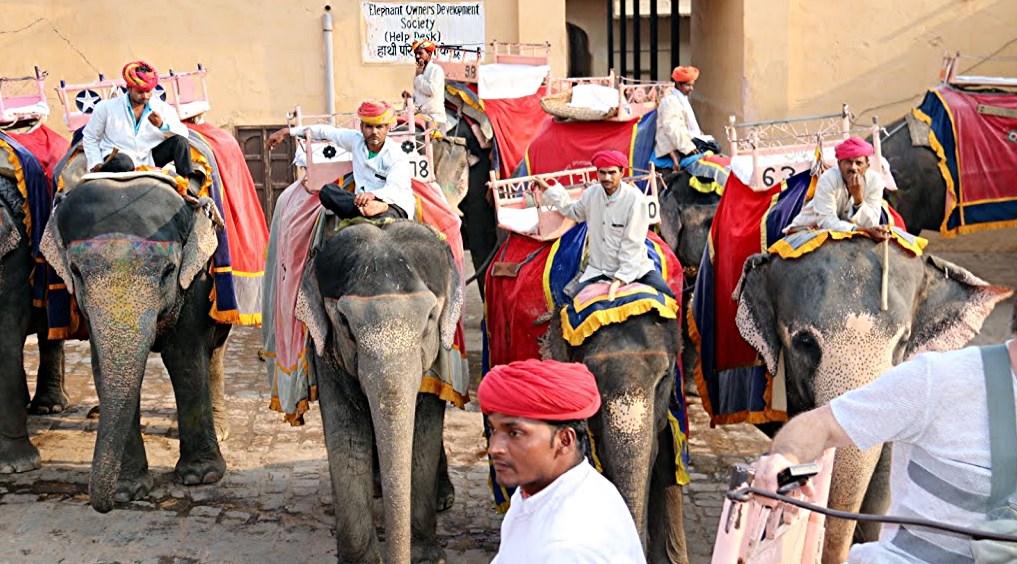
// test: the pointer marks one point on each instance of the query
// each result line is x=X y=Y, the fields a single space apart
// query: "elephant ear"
x=952 y=306
x=10 y=237
x=310 y=308
x=756 y=319
x=453 y=308
x=201 y=243
x=52 y=247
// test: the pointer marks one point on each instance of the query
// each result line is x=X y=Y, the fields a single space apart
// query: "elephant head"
x=817 y=323
x=128 y=251
x=686 y=218
x=378 y=303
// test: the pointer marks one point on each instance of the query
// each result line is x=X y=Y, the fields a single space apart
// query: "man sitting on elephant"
x=940 y=471
x=140 y=128
x=617 y=218
x=381 y=170
x=678 y=134
x=562 y=509
x=428 y=83
x=847 y=198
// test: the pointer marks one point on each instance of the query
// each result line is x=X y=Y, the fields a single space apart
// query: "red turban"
x=425 y=44
x=376 y=113
x=140 y=75
x=545 y=390
x=685 y=74
x=604 y=159
x=852 y=148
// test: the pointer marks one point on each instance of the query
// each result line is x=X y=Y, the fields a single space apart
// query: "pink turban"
x=685 y=74
x=852 y=148
x=140 y=75
x=604 y=159
x=376 y=113
x=545 y=390
x=425 y=44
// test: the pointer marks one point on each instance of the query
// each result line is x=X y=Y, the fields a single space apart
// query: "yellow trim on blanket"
x=786 y=251
x=576 y=335
x=944 y=171
x=546 y=278
x=663 y=259
x=458 y=92
x=681 y=473
x=19 y=175
x=706 y=187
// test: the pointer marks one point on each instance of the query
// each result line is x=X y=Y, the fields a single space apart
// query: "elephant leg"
x=427 y=452
x=877 y=498
x=134 y=481
x=446 y=491
x=349 y=440
x=665 y=515
x=17 y=453
x=217 y=383
x=187 y=354
x=50 y=393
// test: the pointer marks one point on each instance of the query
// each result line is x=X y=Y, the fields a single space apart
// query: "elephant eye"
x=75 y=271
x=168 y=271
x=805 y=341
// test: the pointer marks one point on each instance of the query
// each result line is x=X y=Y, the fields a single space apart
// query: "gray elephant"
x=136 y=257
x=817 y=323
x=379 y=301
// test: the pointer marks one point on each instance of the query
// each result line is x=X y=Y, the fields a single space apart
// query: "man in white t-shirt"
x=933 y=409
x=562 y=510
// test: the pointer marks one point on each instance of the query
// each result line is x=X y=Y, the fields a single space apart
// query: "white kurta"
x=832 y=207
x=429 y=92
x=616 y=226
x=112 y=125
x=386 y=175
x=676 y=125
x=580 y=517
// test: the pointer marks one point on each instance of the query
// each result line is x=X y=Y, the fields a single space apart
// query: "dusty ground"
x=275 y=503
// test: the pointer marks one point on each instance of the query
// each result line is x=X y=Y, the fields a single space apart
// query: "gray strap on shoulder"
x=1002 y=423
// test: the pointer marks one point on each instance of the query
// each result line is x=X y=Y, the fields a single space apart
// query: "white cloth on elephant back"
x=617 y=226
x=940 y=470
x=112 y=125
x=386 y=175
x=833 y=208
x=579 y=517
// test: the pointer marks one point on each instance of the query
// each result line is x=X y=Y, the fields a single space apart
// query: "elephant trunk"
x=852 y=470
x=626 y=450
x=391 y=382
x=120 y=351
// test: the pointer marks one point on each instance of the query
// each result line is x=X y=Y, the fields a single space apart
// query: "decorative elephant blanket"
x=525 y=286
x=731 y=379
x=591 y=309
x=297 y=227
x=978 y=129
x=47 y=146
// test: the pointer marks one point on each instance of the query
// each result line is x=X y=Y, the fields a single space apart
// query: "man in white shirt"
x=381 y=170
x=562 y=510
x=847 y=198
x=678 y=134
x=428 y=84
x=617 y=220
x=143 y=130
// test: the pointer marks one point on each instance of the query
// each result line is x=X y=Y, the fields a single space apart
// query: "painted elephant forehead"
x=854 y=355
x=125 y=252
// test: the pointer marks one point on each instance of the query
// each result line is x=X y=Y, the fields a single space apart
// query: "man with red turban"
x=428 y=83
x=562 y=510
x=143 y=129
x=678 y=134
x=381 y=170
x=617 y=219
x=848 y=197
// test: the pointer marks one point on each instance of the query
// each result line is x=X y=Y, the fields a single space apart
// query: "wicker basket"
x=557 y=105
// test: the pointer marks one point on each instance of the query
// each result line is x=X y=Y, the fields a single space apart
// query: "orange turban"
x=140 y=75
x=545 y=390
x=852 y=148
x=376 y=113
x=604 y=159
x=425 y=44
x=685 y=74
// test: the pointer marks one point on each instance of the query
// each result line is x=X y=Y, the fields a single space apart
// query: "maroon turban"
x=140 y=75
x=685 y=74
x=546 y=390
x=852 y=148
x=605 y=159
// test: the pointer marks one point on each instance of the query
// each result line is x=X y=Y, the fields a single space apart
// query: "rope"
x=743 y=494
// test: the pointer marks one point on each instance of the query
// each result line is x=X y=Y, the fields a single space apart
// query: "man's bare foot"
x=373 y=208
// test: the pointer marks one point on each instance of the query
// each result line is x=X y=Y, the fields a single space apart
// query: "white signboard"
x=391 y=27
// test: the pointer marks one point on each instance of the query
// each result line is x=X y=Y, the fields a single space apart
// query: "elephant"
x=379 y=301
x=686 y=216
x=18 y=319
x=920 y=197
x=817 y=323
x=479 y=230
x=634 y=364
x=136 y=256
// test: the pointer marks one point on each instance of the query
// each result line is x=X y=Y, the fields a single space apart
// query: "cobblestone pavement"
x=274 y=503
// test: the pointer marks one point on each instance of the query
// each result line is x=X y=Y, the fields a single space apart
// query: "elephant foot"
x=429 y=553
x=46 y=402
x=446 y=493
x=130 y=489
x=207 y=470
x=18 y=456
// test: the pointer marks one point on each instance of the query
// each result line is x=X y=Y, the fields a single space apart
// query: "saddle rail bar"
x=19 y=106
x=948 y=74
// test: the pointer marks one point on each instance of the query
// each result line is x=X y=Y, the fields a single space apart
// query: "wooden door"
x=272 y=172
